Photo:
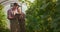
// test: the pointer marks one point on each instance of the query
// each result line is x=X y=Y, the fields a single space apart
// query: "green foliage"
x=2 y=17
x=43 y=16
x=57 y=19
x=3 y=27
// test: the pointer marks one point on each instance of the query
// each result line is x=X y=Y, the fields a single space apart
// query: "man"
x=17 y=18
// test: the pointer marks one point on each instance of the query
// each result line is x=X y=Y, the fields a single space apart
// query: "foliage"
x=43 y=16
x=57 y=19
x=3 y=27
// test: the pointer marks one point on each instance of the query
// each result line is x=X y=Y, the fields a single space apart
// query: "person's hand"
x=11 y=17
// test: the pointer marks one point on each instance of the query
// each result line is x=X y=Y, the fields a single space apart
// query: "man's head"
x=15 y=5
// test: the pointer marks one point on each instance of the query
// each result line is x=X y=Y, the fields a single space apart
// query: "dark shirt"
x=9 y=13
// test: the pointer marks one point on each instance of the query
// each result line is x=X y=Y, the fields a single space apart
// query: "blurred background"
x=41 y=15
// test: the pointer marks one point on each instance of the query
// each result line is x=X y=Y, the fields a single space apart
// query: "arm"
x=19 y=10
x=9 y=15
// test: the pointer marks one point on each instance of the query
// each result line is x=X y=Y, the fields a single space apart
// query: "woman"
x=17 y=19
x=12 y=17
